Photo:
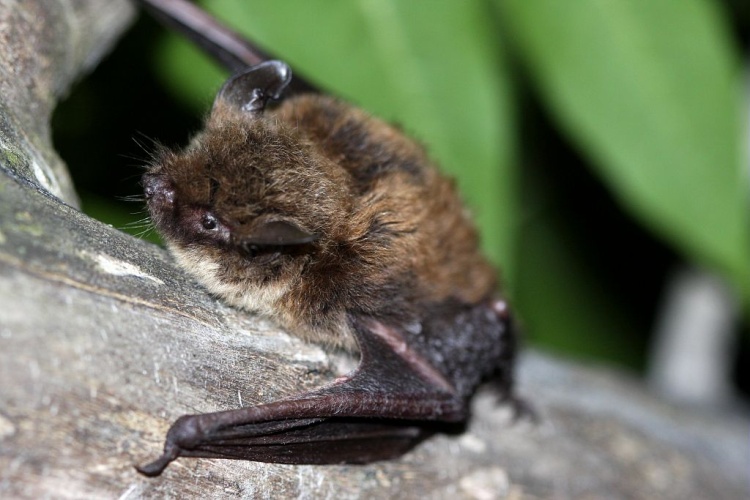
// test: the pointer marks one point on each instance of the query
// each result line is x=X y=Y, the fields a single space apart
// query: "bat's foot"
x=523 y=410
x=156 y=467
x=520 y=409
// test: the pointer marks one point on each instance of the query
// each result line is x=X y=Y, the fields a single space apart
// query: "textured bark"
x=103 y=342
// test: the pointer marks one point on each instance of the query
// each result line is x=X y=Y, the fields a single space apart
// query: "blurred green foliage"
x=651 y=93
x=597 y=141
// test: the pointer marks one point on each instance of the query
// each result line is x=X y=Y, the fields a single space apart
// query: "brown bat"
x=340 y=229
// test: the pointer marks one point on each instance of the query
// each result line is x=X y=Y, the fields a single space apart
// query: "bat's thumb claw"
x=156 y=467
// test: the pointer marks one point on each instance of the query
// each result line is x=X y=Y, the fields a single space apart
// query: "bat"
x=339 y=228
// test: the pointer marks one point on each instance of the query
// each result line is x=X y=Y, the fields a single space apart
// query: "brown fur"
x=393 y=237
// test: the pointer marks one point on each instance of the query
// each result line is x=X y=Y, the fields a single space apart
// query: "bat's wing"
x=375 y=413
x=227 y=47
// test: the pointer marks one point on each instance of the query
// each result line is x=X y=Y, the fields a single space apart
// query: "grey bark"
x=103 y=342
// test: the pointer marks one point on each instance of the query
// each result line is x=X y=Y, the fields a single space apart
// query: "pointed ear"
x=249 y=91
x=276 y=232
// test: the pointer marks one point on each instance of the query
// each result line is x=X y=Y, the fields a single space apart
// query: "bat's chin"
x=206 y=265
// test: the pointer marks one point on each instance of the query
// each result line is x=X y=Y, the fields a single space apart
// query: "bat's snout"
x=159 y=191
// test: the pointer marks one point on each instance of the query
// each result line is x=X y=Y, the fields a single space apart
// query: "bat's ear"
x=249 y=91
x=275 y=232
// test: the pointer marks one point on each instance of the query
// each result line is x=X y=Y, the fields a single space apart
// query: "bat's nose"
x=158 y=189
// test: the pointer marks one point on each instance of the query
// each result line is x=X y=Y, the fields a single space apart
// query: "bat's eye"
x=209 y=222
x=209 y=227
x=251 y=250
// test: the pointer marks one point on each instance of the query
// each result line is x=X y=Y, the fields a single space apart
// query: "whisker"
x=148 y=231
x=139 y=140
x=132 y=198
x=144 y=222
x=153 y=150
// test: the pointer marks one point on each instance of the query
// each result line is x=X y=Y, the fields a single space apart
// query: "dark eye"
x=251 y=250
x=209 y=222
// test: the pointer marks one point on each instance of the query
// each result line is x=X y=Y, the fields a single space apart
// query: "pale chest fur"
x=267 y=300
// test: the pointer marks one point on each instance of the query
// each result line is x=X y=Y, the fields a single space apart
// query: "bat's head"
x=249 y=202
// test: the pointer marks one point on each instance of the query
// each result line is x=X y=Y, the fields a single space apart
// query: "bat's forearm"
x=229 y=48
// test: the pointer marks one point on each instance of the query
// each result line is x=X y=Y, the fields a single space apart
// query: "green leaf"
x=650 y=91
x=435 y=68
